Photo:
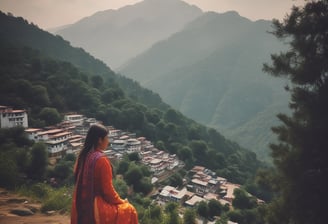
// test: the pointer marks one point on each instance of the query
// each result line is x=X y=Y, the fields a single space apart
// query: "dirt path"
x=10 y=202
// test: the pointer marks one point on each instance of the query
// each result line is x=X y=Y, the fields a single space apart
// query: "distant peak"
x=167 y=2
x=226 y=14
x=231 y=13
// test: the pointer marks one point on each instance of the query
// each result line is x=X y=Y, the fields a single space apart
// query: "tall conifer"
x=301 y=156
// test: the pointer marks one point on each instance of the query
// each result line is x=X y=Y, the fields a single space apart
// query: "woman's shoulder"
x=103 y=160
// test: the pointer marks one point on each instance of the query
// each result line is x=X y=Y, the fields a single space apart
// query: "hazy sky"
x=53 y=13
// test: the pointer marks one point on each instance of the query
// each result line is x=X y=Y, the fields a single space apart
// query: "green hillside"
x=18 y=32
x=213 y=74
x=38 y=81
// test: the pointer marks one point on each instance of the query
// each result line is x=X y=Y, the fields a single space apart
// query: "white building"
x=33 y=133
x=113 y=134
x=200 y=187
x=75 y=119
x=75 y=144
x=193 y=201
x=170 y=193
x=118 y=145
x=156 y=166
x=57 y=144
x=133 y=145
x=57 y=140
x=10 y=118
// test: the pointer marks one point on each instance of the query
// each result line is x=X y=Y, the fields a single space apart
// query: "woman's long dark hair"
x=95 y=132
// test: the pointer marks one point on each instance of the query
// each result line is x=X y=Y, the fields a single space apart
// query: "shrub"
x=58 y=200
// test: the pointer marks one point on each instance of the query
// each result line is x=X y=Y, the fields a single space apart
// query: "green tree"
x=134 y=117
x=236 y=216
x=123 y=166
x=39 y=161
x=23 y=88
x=176 y=180
x=172 y=132
x=214 y=208
x=173 y=116
x=70 y=157
x=8 y=171
x=171 y=210
x=50 y=116
x=63 y=169
x=22 y=159
x=194 y=132
x=96 y=81
x=301 y=156
x=189 y=217
x=155 y=212
x=160 y=145
x=15 y=135
x=152 y=215
x=133 y=175
x=242 y=200
x=112 y=94
x=143 y=185
x=134 y=156
x=173 y=218
x=202 y=209
x=153 y=115
x=40 y=95
x=170 y=207
x=121 y=187
x=199 y=150
x=184 y=153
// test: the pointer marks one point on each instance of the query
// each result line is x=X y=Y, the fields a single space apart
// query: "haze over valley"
x=216 y=110
x=208 y=65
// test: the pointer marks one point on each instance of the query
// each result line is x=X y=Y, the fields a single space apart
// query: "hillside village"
x=200 y=184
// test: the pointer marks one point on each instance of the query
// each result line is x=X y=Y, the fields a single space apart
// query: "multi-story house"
x=118 y=145
x=200 y=187
x=57 y=144
x=133 y=145
x=156 y=166
x=170 y=193
x=114 y=134
x=75 y=119
x=193 y=201
x=11 y=118
x=57 y=140
x=33 y=133
x=75 y=144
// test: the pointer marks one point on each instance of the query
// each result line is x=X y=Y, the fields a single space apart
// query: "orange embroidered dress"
x=95 y=200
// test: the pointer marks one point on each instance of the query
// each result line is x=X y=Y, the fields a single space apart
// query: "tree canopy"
x=51 y=79
x=301 y=156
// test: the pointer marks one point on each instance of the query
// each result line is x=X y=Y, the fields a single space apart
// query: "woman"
x=95 y=200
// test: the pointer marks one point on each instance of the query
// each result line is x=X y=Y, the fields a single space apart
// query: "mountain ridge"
x=223 y=52
x=36 y=78
x=129 y=30
x=227 y=79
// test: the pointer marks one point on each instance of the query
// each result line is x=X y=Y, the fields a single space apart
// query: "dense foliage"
x=301 y=156
x=47 y=88
x=38 y=75
x=18 y=159
x=220 y=83
x=18 y=32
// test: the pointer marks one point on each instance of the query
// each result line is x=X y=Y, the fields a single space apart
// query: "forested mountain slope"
x=212 y=72
x=206 y=65
x=45 y=85
x=18 y=32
